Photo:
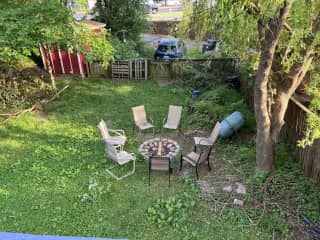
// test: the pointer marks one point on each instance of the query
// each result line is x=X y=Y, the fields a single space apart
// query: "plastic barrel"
x=231 y=124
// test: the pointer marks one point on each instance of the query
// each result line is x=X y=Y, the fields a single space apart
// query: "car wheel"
x=154 y=10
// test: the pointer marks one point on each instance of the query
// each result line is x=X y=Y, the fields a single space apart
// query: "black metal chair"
x=161 y=164
x=194 y=159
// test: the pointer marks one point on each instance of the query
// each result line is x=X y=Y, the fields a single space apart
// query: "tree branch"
x=34 y=107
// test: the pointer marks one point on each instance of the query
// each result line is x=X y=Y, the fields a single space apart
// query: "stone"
x=238 y=202
x=227 y=189
x=205 y=187
x=241 y=189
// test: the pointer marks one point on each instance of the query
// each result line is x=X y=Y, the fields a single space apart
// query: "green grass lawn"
x=49 y=160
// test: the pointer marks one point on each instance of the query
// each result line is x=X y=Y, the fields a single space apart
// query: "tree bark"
x=270 y=34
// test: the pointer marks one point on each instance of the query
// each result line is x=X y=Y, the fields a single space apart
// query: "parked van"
x=170 y=48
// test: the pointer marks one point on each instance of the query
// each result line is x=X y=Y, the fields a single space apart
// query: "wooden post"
x=61 y=61
x=43 y=57
x=80 y=65
x=71 y=67
x=145 y=69
x=51 y=59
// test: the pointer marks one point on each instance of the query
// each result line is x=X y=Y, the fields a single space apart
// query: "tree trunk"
x=49 y=66
x=270 y=34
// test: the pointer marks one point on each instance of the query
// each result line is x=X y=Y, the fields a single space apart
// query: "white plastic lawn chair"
x=173 y=119
x=118 y=137
x=140 y=118
x=204 y=141
x=121 y=157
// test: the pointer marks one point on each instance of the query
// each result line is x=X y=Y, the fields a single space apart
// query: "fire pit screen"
x=161 y=147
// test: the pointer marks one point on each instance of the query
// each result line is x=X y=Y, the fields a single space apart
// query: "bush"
x=131 y=49
x=24 y=88
x=174 y=210
x=216 y=104
x=197 y=77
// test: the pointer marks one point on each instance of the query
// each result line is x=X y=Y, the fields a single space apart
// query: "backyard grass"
x=53 y=180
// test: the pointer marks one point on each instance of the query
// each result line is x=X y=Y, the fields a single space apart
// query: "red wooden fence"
x=64 y=62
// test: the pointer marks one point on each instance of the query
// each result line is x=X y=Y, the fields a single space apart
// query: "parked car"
x=173 y=2
x=170 y=48
x=210 y=45
x=151 y=6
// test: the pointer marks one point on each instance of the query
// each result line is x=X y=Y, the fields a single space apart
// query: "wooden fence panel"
x=293 y=130
x=172 y=71
x=96 y=69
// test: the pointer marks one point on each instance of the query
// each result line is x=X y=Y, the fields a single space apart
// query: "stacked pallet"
x=136 y=69
x=120 y=69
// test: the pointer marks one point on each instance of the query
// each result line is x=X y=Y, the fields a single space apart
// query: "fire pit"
x=161 y=147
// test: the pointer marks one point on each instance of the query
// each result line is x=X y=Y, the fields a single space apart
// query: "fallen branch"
x=225 y=204
x=34 y=107
x=260 y=218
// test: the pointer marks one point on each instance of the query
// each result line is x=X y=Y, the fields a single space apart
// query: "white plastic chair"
x=121 y=157
x=118 y=137
x=173 y=119
x=140 y=118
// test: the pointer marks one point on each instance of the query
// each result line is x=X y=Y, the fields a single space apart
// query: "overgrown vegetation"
x=313 y=119
x=25 y=86
x=131 y=49
x=217 y=103
x=217 y=99
x=279 y=41
x=53 y=178
x=175 y=210
x=94 y=46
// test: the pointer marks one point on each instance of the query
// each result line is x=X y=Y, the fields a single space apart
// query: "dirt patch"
x=41 y=115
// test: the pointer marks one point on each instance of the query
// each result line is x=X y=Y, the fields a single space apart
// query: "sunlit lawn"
x=165 y=16
x=49 y=160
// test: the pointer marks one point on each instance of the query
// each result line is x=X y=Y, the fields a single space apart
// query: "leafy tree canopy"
x=123 y=17
x=23 y=28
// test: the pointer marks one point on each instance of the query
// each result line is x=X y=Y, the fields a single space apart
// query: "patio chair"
x=173 y=119
x=194 y=159
x=118 y=137
x=159 y=163
x=121 y=157
x=207 y=141
x=140 y=118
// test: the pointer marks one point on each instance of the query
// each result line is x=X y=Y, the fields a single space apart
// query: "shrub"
x=131 y=49
x=174 y=210
x=216 y=104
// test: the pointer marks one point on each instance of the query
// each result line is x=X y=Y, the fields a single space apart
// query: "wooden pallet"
x=136 y=69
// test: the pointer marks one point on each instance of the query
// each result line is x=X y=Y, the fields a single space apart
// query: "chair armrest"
x=151 y=120
x=119 y=148
x=205 y=141
x=164 y=120
x=118 y=132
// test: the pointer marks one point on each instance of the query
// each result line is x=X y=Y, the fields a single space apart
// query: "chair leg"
x=181 y=161
x=209 y=167
x=169 y=178
x=149 y=168
x=197 y=172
